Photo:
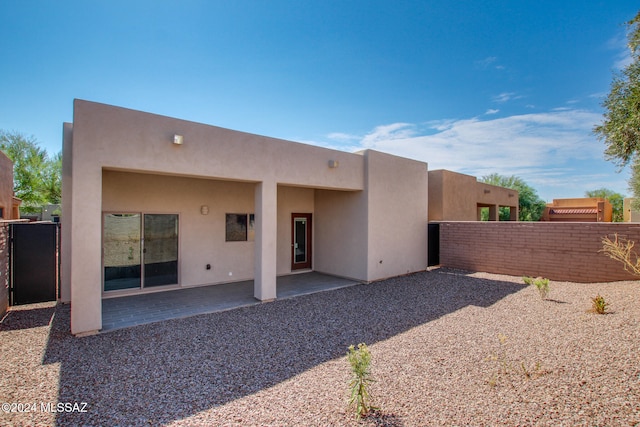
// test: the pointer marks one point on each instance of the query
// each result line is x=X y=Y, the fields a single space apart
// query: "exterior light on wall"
x=333 y=164
x=204 y=210
x=511 y=195
x=487 y=191
x=178 y=139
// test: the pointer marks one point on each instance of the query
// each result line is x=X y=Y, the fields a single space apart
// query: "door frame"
x=308 y=240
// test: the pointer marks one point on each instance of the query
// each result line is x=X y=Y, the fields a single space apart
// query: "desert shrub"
x=540 y=283
x=360 y=360
x=621 y=250
x=599 y=305
x=508 y=368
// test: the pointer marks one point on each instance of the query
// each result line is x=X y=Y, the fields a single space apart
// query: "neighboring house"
x=457 y=197
x=9 y=204
x=156 y=203
x=587 y=209
x=51 y=213
x=629 y=213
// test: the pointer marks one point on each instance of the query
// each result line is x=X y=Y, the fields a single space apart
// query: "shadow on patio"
x=161 y=372
x=135 y=310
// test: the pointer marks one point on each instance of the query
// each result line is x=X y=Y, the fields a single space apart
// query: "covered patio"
x=123 y=312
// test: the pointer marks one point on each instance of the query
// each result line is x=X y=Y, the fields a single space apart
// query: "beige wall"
x=386 y=223
x=341 y=240
x=371 y=207
x=630 y=214
x=202 y=237
x=452 y=196
x=65 y=230
x=397 y=208
x=292 y=200
x=6 y=187
x=455 y=197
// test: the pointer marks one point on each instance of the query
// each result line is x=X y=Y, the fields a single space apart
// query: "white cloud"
x=554 y=149
x=491 y=111
x=388 y=133
x=623 y=60
x=488 y=62
x=506 y=96
x=343 y=137
x=619 y=44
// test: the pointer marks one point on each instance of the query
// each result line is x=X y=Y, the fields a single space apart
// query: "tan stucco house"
x=455 y=196
x=154 y=203
x=584 y=209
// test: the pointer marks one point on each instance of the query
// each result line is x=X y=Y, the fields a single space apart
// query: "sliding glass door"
x=133 y=241
x=160 y=251
x=122 y=247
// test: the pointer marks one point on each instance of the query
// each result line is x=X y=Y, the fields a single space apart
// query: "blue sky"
x=512 y=87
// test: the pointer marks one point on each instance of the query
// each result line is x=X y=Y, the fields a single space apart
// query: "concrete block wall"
x=559 y=251
x=4 y=268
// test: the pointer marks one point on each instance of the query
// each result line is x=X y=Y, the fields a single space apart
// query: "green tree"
x=616 y=200
x=36 y=177
x=620 y=129
x=53 y=180
x=531 y=206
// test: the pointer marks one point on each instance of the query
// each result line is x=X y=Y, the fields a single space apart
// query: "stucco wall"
x=340 y=227
x=117 y=159
x=65 y=230
x=6 y=186
x=452 y=196
x=397 y=193
x=202 y=237
x=558 y=251
x=455 y=197
x=292 y=200
x=385 y=225
x=119 y=138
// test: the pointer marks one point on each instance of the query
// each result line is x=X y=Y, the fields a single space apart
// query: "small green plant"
x=599 y=304
x=507 y=368
x=539 y=282
x=360 y=359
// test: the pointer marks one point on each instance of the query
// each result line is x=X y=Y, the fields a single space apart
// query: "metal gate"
x=34 y=263
x=434 y=245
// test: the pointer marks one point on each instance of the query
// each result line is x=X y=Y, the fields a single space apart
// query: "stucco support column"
x=86 y=249
x=65 y=250
x=266 y=207
x=513 y=213
x=494 y=213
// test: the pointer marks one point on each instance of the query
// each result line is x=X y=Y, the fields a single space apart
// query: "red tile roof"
x=569 y=211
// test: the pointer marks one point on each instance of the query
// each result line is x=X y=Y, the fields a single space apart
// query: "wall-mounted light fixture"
x=487 y=191
x=204 y=210
x=178 y=139
x=333 y=164
x=512 y=195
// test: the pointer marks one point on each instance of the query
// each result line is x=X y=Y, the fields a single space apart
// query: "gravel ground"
x=436 y=351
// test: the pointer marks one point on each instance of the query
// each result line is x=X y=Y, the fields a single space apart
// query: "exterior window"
x=1 y=212
x=239 y=227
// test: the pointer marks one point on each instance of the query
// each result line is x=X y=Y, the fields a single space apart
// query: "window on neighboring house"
x=1 y=212
x=239 y=227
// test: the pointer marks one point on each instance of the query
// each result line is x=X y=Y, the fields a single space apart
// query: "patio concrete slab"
x=123 y=312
